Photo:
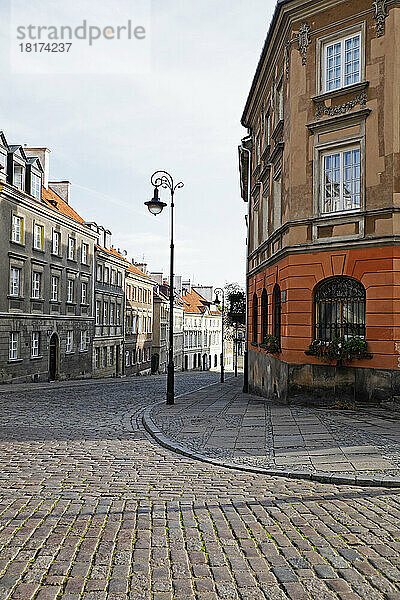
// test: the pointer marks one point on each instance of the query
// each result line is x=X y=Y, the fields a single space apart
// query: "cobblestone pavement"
x=235 y=429
x=92 y=508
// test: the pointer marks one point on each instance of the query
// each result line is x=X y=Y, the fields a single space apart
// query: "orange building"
x=320 y=169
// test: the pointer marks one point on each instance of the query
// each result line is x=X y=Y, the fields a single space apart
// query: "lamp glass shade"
x=155 y=205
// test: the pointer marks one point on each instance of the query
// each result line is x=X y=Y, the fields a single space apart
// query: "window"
x=133 y=358
x=84 y=288
x=112 y=313
x=264 y=315
x=119 y=279
x=54 y=288
x=340 y=304
x=98 y=312
x=105 y=313
x=139 y=356
x=83 y=341
x=15 y=278
x=255 y=318
x=277 y=313
x=85 y=252
x=118 y=314
x=36 y=284
x=279 y=102
x=36 y=186
x=342 y=63
x=267 y=128
x=110 y=356
x=104 y=361
x=70 y=290
x=277 y=200
x=38 y=237
x=97 y=358
x=113 y=277
x=56 y=243
x=71 y=248
x=70 y=341
x=13 y=350
x=106 y=274
x=99 y=272
x=341 y=180
x=19 y=177
x=127 y=358
x=35 y=344
x=17 y=230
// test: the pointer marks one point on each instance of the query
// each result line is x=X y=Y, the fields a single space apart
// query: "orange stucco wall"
x=378 y=269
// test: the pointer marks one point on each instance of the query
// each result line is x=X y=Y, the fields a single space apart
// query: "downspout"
x=246 y=147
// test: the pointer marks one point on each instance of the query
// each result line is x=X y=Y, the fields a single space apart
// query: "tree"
x=235 y=304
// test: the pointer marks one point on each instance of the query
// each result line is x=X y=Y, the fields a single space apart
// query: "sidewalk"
x=221 y=425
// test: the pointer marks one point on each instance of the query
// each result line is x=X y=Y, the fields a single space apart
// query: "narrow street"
x=93 y=508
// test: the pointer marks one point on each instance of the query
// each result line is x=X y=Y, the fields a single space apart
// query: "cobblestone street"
x=93 y=508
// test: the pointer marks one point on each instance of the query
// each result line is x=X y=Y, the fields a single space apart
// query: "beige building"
x=320 y=170
x=138 y=320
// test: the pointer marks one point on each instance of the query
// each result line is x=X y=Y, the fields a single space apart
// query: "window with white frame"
x=36 y=186
x=84 y=254
x=54 y=288
x=110 y=356
x=83 y=341
x=38 y=236
x=17 y=230
x=104 y=357
x=19 y=176
x=99 y=272
x=114 y=277
x=15 y=280
x=127 y=358
x=342 y=62
x=70 y=290
x=84 y=288
x=13 y=350
x=70 y=341
x=56 y=243
x=98 y=312
x=35 y=344
x=106 y=274
x=36 y=284
x=97 y=358
x=112 y=313
x=118 y=319
x=105 y=313
x=71 y=248
x=341 y=180
x=119 y=279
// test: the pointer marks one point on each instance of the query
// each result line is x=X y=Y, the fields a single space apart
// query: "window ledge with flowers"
x=341 y=350
x=271 y=345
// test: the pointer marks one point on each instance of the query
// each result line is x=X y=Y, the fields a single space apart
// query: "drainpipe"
x=246 y=147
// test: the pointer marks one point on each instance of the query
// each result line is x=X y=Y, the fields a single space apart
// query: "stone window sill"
x=350 y=89
x=14 y=360
x=37 y=357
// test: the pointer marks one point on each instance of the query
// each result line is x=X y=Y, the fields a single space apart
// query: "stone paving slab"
x=223 y=426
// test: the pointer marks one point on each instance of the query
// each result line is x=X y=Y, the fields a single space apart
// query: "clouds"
x=108 y=133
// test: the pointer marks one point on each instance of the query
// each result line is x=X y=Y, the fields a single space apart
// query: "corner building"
x=320 y=169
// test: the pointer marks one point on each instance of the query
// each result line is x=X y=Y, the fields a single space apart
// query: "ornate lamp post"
x=155 y=206
x=219 y=291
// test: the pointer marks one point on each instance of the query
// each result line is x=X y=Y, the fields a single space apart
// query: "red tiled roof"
x=194 y=303
x=129 y=266
x=55 y=201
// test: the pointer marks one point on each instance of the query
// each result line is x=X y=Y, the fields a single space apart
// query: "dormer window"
x=36 y=186
x=19 y=176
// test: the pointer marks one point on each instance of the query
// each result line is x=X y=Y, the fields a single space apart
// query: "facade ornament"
x=380 y=15
x=342 y=109
x=304 y=40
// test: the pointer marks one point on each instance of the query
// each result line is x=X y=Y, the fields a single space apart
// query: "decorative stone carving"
x=304 y=40
x=342 y=109
x=380 y=15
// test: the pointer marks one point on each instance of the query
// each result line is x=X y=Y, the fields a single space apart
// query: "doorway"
x=53 y=356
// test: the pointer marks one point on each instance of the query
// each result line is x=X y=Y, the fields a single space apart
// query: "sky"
x=174 y=104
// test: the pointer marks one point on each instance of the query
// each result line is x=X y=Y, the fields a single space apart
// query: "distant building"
x=138 y=320
x=202 y=331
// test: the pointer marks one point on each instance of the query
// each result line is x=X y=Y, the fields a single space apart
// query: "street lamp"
x=216 y=301
x=155 y=206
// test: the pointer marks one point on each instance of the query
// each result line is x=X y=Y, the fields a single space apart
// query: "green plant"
x=339 y=350
x=271 y=344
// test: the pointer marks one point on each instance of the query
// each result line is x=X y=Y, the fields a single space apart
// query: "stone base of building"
x=273 y=378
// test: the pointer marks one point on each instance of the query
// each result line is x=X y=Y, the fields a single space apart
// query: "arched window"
x=339 y=308
x=255 y=318
x=277 y=306
x=264 y=315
